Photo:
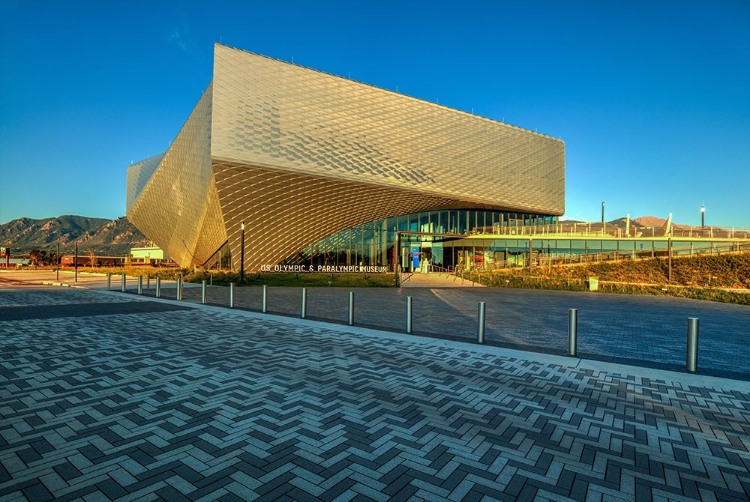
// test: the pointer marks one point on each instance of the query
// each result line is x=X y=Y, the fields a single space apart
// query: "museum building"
x=279 y=165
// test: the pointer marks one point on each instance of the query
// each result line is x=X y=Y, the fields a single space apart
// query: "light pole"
x=703 y=219
x=603 y=218
x=242 y=254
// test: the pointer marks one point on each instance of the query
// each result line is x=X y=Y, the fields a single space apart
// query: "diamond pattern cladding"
x=138 y=175
x=178 y=207
x=273 y=114
x=298 y=155
x=284 y=212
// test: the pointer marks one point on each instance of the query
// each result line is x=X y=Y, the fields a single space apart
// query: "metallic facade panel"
x=138 y=175
x=284 y=212
x=299 y=155
x=273 y=114
x=178 y=207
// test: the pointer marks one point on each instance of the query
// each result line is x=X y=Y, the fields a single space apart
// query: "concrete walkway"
x=437 y=280
x=111 y=396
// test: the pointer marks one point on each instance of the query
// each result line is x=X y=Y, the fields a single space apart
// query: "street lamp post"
x=603 y=228
x=703 y=220
x=242 y=254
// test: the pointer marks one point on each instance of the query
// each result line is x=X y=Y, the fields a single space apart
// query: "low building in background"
x=89 y=261
x=281 y=164
x=152 y=255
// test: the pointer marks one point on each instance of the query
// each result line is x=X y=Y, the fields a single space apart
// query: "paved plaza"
x=111 y=396
x=641 y=330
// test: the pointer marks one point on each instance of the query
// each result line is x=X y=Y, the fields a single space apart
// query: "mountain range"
x=102 y=236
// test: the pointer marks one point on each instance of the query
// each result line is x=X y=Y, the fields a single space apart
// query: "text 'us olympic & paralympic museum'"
x=280 y=167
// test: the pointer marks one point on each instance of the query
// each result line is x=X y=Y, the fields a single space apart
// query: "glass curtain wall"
x=447 y=240
x=372 y=244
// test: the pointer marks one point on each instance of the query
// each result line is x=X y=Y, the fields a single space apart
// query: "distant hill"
x=650 y=221
x=643 y=221
x=103 y=237
x=653 y=221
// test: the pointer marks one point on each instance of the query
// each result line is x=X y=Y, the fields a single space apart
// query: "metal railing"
x=541 y=260
x=592 y=230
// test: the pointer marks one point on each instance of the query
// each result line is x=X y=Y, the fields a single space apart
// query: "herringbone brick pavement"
x=212 y=404
x=630 y=329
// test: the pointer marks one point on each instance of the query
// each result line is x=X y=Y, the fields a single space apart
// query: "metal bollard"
x=480 y=323
x=691 y=355
x=148 y=281
x=304 y=303
x=573 y=332
x=264 y=304
x=179 y=288
x=124 y=283
x=109 y=281
x=351 y=308
x=158 y=287
x=203 y=291
x=140 y=284
x=408 y=315
x=231 y=295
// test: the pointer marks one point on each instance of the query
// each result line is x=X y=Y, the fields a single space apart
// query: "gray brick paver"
x=212 y=496
x=15 y=497
x=81 y=483
x=53 y=482
x=346 y=496
x=203 y=387
x=336 y=478
x=460 y=491
x=122 y=477
x=430 y=490
x=240 y=490
x=367 y=478
x=367 y=491
x=96 y=497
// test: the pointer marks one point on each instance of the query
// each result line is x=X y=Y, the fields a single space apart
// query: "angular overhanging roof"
x=298 y=155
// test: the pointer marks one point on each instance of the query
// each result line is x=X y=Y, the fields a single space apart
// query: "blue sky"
x=652 y=98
